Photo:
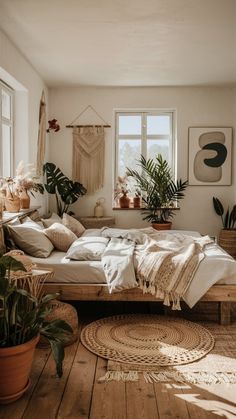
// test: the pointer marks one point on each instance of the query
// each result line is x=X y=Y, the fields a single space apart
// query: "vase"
x=24 y=199
x=124 y=201
x=162 y=226
x=12 y=203
x=137 y=202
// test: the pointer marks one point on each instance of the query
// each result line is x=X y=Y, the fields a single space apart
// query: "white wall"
x=19 y=74
x=194 y=106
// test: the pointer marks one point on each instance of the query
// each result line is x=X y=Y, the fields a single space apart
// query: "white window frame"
x=9 y=122
x=144 y=113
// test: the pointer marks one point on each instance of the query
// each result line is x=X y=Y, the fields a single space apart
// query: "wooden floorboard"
x=80 y=394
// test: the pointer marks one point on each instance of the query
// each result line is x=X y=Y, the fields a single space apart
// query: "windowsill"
x=141 y=208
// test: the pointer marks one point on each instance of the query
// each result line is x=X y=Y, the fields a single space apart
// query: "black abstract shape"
x=220 y=158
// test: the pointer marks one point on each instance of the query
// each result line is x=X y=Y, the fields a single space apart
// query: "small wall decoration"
x=210 y=156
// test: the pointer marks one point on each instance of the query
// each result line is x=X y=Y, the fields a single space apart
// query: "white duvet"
x=216 y=267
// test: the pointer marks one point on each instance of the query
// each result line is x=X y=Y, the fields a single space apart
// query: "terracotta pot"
x=137 y=202
x=12 y=204
x=24 y=199
x=227 y=240
x=15 y=366
x=162 y=226
x=124 y=201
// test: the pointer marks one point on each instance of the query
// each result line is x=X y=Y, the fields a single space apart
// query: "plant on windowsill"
x=227 y=236
x=160 y=193
x=121 y=192
x=23 y=318
x=65 y=190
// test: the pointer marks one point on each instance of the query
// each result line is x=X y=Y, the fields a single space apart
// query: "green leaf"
x=226 y=219
x=58 y=355
x=219 y=209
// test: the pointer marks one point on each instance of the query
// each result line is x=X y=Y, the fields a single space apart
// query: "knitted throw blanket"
x=164 y=264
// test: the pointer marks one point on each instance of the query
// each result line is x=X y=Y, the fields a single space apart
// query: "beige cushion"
x=31 y=240
x=73 y=224
x=60 y=236
x=47 y=222
x=34 y=224
x=87 y=248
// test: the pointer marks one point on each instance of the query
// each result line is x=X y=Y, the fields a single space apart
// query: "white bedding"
x=217 y=267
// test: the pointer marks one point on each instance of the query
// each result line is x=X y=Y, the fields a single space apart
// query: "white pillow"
x=31 y=240
x=60 y=236
x=73 y=224
x=47 y=222
x=87 y=248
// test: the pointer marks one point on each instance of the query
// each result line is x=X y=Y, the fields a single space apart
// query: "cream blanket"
x=164 y=264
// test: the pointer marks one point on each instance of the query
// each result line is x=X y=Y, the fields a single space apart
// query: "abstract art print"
x=210 y=156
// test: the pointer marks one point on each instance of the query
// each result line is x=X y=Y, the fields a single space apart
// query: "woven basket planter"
x=227 y=240
x=66 y=312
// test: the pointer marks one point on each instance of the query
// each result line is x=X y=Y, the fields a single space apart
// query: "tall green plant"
x=65 y=190
x=23 y=316
x=228 y=219
x=159 y=191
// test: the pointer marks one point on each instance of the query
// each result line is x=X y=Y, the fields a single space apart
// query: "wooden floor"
x=78 y=394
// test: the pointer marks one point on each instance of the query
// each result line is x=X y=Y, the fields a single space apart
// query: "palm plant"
x=24 y=316
x=160 y=192
x=229 y=218
x=65 y=190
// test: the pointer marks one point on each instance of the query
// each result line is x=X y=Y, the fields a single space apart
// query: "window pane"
x=155 y=147
x=129 y=153
x=6 y=150
x=157 y=125
x=130 y=125
x=6 y=105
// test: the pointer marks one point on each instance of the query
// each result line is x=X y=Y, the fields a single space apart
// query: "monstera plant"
x=65 y=190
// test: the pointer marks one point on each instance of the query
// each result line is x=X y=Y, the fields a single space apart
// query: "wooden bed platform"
x=223 y=294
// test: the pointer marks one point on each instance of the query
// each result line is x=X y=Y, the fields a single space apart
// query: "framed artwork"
x=210 y=156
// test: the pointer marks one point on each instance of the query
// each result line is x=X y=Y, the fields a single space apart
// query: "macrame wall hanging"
x=41 y=135
x=88 y=153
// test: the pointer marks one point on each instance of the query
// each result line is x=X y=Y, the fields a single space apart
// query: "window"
x=6 y=130
x=147 y=133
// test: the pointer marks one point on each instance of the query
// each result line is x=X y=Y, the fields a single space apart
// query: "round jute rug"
x=147 y=339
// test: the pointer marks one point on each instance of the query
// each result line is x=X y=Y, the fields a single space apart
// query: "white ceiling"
x=125 y=42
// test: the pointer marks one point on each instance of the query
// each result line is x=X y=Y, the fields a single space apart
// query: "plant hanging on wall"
x=65 y=190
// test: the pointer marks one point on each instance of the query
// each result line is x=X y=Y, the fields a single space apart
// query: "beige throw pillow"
x=60 y=236
x=31 y=240
x=73 y=224
x=47 y=222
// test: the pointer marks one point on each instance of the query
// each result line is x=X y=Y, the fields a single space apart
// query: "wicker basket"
x=66 y=312
x=227 y=240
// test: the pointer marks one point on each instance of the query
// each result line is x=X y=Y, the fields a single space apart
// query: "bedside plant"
x=227 y=236
x=23 y=318
x=160 y=192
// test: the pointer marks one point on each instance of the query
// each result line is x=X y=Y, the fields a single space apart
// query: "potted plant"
x=227 y=236
x=137 y=198
x=121 y=192
x=160 y=192
x=22 y=321
x=26 y=182
x=65 y=190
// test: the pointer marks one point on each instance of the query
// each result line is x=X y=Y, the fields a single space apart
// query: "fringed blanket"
x=164 y=264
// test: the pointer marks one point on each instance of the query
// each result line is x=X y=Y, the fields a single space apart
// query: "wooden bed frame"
x=223 y=294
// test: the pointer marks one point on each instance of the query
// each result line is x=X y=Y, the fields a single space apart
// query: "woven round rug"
x=147 y=339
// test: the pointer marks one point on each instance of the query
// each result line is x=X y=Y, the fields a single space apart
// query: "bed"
x=85 y=281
